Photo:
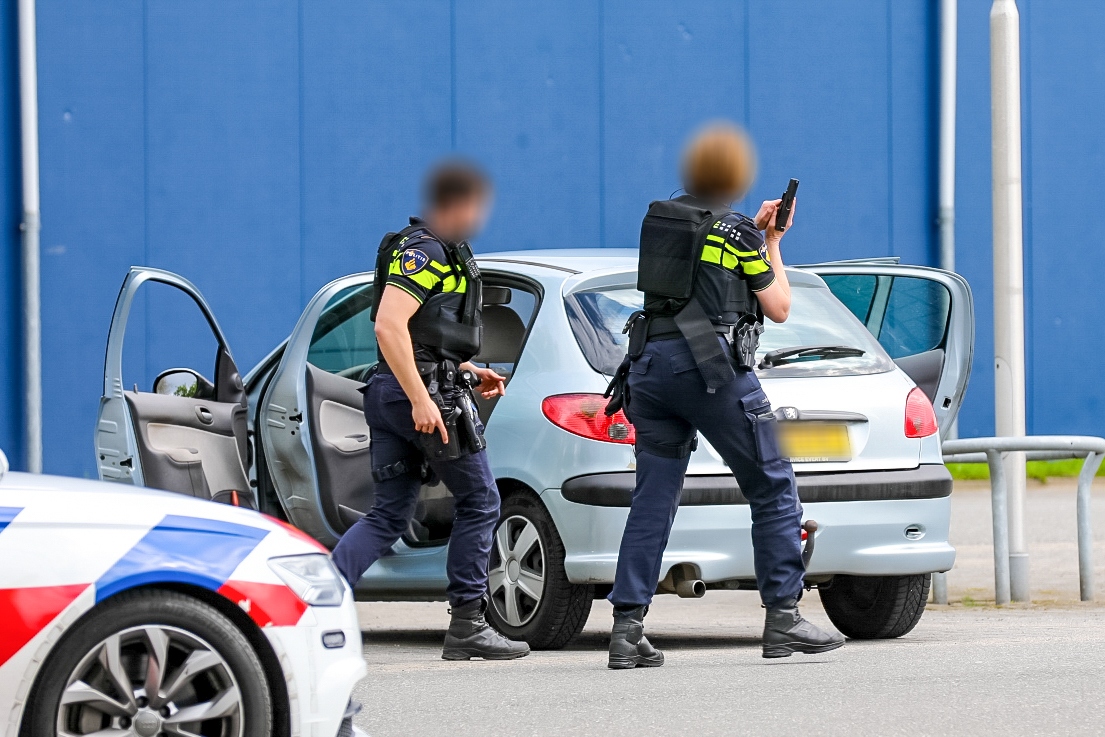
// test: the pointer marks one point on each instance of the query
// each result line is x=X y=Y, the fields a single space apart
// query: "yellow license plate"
x=812 y=442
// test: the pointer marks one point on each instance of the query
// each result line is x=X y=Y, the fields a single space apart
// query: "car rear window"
x=816 y=318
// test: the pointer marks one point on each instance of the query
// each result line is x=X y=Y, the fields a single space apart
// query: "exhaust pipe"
x=687 y=588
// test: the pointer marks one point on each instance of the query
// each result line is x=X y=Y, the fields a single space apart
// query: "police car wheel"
x=149 y=663
x=531 y=597
x=876 y=607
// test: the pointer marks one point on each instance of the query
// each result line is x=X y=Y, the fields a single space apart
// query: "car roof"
x=570 y=261
x=573 y=260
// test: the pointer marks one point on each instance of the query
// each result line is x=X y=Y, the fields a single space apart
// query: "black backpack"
x=672 y=237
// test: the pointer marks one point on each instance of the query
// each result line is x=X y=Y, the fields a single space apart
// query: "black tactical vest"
x=450 y=324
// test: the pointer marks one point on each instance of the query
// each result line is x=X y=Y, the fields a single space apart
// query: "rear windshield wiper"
x=808 y=352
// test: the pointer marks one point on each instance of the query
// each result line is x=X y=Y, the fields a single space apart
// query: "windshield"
x=816 y=318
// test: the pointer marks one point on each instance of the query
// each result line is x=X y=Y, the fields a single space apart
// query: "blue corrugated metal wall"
x=261 y=149
x=11 y=207
x=1063 y=85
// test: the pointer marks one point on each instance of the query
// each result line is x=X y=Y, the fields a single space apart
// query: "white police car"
x=133 y=612
x=860 y=426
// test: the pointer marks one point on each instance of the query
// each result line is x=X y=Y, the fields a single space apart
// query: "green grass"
x=1042 y=470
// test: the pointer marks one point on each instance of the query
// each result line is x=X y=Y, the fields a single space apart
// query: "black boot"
x=470 y=636
x=786 y=632
x=629 y=648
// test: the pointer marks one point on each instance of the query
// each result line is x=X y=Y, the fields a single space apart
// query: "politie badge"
x=764 y=255
x=412 y=262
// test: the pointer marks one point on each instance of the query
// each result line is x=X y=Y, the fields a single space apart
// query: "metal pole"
x=32 y=316
x=946 y=216
x=999 y=511
x=949 y=31
x=1085 y=526
x=1009 y=377
x=940 y=588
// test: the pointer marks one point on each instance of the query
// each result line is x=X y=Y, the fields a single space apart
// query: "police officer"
x=709 y=275
x=428 y=328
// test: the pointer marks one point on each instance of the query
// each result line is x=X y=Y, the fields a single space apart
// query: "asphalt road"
x=969 y=668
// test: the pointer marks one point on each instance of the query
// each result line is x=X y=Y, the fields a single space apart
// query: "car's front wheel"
x=531 y=597
x=876 y=607
x=152 y=663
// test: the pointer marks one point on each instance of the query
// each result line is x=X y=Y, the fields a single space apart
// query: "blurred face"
x=460 y=220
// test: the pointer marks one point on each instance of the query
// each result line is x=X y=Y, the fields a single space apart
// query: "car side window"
x=345 y=337
x=916 y=317
x=856 y=291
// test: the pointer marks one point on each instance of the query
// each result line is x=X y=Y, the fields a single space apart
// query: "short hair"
x=453 y=181
x=719 y=163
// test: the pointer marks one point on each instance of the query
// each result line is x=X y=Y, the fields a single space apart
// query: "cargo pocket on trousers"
x=757 y=407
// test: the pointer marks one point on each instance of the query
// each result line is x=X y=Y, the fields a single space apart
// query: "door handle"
x=205 y=415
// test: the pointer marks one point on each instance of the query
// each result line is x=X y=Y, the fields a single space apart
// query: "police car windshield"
x=816 y=318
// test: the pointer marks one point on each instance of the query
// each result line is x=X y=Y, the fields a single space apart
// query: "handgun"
x=782 y=215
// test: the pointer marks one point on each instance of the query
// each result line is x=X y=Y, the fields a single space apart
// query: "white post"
x=948 y=50
x=32 y=316
x=1009 y=378
x=949 y=11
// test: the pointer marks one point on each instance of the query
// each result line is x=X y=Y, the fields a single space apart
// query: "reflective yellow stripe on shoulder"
x=425 y=278
x=752 y=268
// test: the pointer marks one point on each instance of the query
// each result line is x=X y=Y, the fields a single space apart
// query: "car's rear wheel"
x=152 y=663
x=876 y=607
x=531 y=597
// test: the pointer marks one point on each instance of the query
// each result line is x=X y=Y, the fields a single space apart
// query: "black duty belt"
x=663 y=328
x=426 y=369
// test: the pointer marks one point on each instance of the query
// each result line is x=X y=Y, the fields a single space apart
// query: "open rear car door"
x=923 y=317
x=187 y=434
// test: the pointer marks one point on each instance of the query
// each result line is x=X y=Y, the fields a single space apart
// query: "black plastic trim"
x=930 y=481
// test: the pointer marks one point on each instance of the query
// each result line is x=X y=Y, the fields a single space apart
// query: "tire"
x=876 y=607
x=227 y=694
x=558 y=612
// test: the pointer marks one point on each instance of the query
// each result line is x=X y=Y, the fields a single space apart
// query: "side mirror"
x=3 y=464
x=183 y=382
x=496 y=296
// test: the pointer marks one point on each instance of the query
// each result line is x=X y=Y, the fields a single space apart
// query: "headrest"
x=503 y=332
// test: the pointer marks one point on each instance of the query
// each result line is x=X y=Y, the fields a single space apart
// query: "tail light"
x=920 y=420
x=583 y=415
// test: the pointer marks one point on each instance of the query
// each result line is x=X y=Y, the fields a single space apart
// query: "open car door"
x=923 y=317
x=314 y=438
x=311 y=415
x=187 y=434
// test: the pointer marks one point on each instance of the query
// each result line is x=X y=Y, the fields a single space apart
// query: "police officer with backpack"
x=709 y=276
x=420 y=404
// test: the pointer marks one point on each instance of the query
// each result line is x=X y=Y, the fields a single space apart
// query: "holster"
x=451 y=391
x=746 y=341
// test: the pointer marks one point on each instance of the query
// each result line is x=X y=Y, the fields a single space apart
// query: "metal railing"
x=1037 y=448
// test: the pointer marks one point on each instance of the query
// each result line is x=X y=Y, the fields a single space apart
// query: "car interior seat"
x=503 y=333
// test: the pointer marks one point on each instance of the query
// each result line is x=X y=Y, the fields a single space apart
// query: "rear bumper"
x=923 y=482
x=871 y=523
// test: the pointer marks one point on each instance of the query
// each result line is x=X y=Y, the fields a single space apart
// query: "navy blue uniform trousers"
x=668 y=402
x=469 y=480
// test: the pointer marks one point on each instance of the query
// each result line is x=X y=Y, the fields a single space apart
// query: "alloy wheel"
x=517 y=576
x=151 y=681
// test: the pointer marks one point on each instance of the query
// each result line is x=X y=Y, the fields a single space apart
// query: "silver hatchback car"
x=861 y=430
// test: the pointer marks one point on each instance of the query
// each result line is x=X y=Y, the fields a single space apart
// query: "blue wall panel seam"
x=302 y=172
x=889 y=128
x=747 y=80
x=145 y=176
x=453 y=75
x=602 y=123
